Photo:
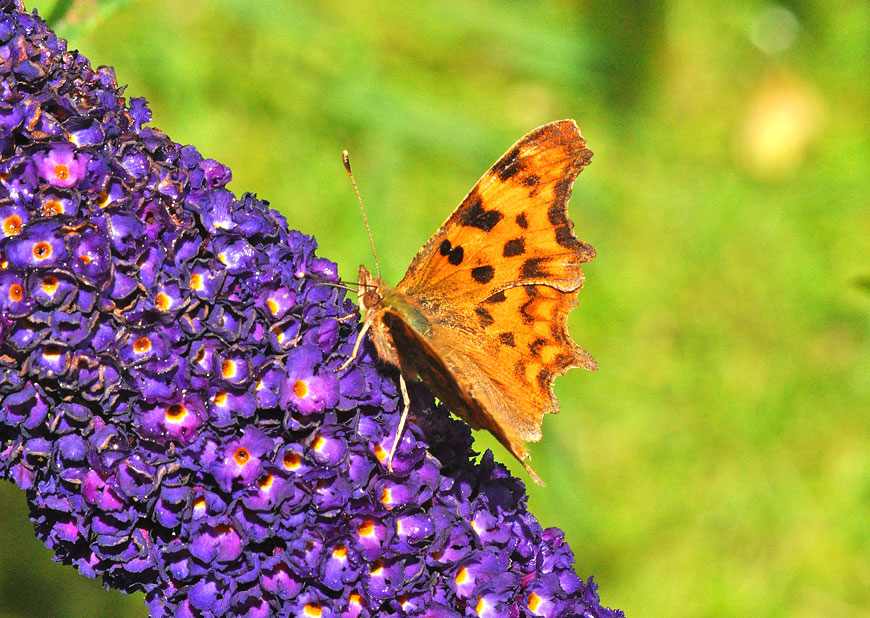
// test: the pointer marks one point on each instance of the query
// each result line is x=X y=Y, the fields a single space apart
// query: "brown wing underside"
x=494 y=376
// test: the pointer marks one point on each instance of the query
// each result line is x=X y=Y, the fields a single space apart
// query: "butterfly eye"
x=371 y=298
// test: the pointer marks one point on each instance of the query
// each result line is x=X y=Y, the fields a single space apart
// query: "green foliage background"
x=718 y=464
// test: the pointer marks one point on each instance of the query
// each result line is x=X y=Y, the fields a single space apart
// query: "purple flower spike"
x=169 y=393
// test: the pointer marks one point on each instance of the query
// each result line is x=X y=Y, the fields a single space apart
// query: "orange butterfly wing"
x=496 y=284
x=512 y=228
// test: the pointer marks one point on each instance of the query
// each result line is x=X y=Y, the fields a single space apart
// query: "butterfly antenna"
x=346 y=160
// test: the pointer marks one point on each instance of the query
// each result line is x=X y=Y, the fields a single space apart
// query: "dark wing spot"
x=528 y=318
x=558 y=332
x=522 y=221
x=508 y=165
x=444 y=247
x=565 y=237
x=514 y=247
x=531 y=291
x=496 y=298
x=455 y=256
x=556 y=213
x=532 y=268
x=531 y=180
x=545 y=377
x=477 y=216
x=520 y=371
x=484 y=316
x=536 y=345
x=483 y=274
x=507 y=339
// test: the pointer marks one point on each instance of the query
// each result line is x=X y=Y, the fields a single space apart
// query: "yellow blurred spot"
x=783 y=119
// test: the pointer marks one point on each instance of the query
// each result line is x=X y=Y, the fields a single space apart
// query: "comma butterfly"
x=480 y=316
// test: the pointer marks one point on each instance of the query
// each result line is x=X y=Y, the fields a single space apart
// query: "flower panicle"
x=169 y=396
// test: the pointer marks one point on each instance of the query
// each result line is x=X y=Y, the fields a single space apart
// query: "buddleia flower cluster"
x=169 y=399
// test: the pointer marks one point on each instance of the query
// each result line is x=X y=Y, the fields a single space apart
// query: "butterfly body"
x=480 y=316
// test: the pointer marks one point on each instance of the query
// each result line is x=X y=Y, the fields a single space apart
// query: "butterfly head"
x=369 y=293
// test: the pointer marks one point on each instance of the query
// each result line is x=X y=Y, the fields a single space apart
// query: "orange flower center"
x=142 y=345
x=162 y=301
x=377 y=568
x=41 y=250
x=461 y=576
x=242 y=456
x=12 y=225
x=175 y=411
x=49 y=284
x=52 y=207
x=228 y=368
x=300 y=389
x=315 y=610
x=61 y=171
x=291 y=460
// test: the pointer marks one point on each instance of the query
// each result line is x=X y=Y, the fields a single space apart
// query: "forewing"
x=511 y=229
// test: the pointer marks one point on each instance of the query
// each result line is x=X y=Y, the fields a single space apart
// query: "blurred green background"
x=718 y=464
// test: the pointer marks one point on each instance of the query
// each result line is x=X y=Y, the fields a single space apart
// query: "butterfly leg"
x=359 y=338
x=406 y=401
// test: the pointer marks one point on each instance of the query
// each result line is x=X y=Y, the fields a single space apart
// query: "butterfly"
x=480 y=316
